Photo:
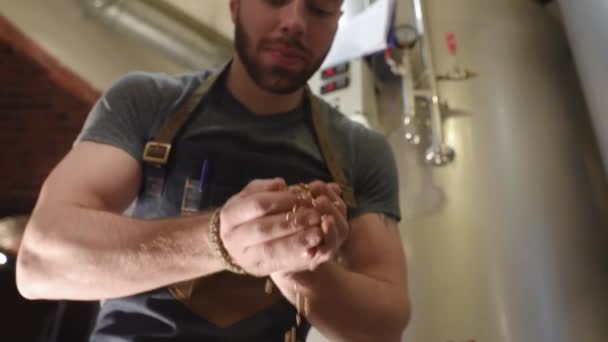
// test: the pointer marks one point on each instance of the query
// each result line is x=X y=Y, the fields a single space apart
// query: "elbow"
x=33 y=269
x=403 y=316
x=392 y=327
x=29 y=275
x=405 y=319
x=406 y=312
x=36 y=279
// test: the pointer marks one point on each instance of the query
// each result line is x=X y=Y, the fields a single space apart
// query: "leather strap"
x=330 y=160
x=157 y=151
x=178 y=119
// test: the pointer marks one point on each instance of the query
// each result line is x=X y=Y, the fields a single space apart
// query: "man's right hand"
x=258 y=235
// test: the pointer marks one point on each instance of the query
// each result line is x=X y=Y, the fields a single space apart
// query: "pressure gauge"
x=406 y=36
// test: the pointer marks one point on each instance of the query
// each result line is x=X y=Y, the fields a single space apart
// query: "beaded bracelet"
x=218 y=246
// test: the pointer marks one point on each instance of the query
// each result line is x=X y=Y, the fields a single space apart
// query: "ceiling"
x=213 y=13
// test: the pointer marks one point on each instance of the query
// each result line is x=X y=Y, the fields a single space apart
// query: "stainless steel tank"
x=506 y=243
x=587 y=29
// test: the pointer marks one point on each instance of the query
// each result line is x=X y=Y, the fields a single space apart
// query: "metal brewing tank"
x=506 y=243
x=587 y=26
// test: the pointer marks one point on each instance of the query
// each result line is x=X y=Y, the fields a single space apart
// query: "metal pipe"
x=165 y=27
x=438 y=153
x=409 y=86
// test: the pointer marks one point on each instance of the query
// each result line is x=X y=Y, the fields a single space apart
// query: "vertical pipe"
x=438 y=153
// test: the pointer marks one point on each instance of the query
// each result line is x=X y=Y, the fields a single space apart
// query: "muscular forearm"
x=83 y=254
x=347 y=306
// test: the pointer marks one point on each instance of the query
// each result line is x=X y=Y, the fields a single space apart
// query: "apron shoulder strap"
x=157 y=150
x=335 y=169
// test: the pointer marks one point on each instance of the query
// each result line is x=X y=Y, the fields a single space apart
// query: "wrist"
x=212 y=263
x=217 y=247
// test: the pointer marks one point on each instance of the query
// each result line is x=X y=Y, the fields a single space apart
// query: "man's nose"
x=293 y=18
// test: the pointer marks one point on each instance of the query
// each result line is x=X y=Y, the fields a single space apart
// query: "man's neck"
x=254 y=98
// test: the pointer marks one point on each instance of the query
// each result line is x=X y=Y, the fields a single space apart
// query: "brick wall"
x=42 y=108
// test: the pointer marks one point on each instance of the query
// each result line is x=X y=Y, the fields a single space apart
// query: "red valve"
x=451 y=43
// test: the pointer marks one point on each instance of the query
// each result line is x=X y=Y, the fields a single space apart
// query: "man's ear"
x=234 y=9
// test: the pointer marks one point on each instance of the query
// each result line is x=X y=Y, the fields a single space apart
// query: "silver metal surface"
x=438 y=153
x=162 y=26
x=507 y=243
x=588 y=32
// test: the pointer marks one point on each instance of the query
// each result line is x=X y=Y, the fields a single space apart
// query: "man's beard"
x=276 y=79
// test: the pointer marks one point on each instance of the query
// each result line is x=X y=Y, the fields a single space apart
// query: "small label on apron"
x=191 y=199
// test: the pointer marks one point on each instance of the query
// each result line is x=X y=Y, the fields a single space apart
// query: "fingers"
x=256 y=205
x=288 y=253
x=336 y=188
x=330 y=247
x=333 y=239
x=272 y=227
x=258 y=186
x=302 y=248
x=326 y=206
x=262 y=185
x=335 y=224
x=264 y=232
x=265 y=197
x=331 y=191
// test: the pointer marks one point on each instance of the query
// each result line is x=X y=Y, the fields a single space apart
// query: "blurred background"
x=496 y=111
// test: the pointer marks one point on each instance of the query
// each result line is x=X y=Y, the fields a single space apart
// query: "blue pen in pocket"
x=204 y=176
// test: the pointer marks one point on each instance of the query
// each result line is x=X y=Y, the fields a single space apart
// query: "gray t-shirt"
x=132 y=111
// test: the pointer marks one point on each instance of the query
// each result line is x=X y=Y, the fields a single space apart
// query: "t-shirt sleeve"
x=125 y=114
x=375 y=176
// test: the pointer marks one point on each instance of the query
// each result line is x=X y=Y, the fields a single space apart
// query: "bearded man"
x=257 y=210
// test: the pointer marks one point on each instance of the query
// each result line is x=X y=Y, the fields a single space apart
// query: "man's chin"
x=284 y=84
x=281 y=89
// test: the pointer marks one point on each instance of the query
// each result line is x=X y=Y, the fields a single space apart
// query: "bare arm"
x=367 y=301
x=78 y=245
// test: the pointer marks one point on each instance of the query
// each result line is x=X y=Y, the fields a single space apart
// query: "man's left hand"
x=334 y=224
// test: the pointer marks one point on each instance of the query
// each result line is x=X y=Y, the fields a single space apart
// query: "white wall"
x=87 y=47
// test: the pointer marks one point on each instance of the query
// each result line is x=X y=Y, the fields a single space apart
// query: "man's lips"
x=288 y=53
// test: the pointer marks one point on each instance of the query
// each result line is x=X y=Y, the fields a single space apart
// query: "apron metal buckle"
x=156 y=152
